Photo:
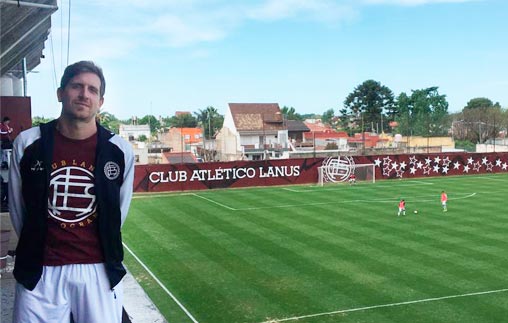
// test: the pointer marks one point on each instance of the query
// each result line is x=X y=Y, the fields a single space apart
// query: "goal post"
x=343 y=173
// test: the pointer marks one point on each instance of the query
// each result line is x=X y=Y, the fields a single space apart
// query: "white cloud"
x=316 y=10
x=113 y=28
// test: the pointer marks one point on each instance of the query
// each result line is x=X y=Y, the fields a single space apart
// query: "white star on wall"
x=470 y=160
x=484 y=160
x=437 y=159
x=466 y=169
x=456 y=165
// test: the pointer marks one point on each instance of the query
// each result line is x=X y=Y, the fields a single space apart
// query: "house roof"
x=257 y=116
x=318 y=127
x=180 y=158
x=296 y=126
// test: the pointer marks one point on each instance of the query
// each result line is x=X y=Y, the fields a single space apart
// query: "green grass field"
x=337 y=253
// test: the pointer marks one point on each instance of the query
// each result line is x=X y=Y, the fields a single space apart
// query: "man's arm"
x=16 y=203
x=128 y=180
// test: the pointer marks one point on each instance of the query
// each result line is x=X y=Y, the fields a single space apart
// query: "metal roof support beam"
x=4 y=52
x=29 y=4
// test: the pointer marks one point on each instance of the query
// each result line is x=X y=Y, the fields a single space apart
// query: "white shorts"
x=83 y=290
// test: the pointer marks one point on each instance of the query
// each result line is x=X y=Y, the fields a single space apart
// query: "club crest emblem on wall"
x=337 y=169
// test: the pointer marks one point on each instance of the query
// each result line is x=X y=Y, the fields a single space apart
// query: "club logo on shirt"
x=111 y=170
x=72 y=196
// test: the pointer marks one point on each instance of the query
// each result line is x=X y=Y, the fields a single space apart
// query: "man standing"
x=444 y=199
x=70 y=188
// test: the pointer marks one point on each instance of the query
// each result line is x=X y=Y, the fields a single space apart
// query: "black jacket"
x=28 y=201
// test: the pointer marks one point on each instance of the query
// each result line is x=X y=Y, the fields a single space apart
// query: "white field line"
x=149 y=196
x=316 y=188
x=418 y=182
x=434 y=299
x=293 y=190
x=214 y=202
x=391 y=200
x=494 y=177
x=189 y=315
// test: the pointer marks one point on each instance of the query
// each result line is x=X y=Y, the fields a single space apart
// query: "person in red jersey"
x=444 y=199
x=5 y=133
x=70 y=187
x=402 y=207
x=352 y=179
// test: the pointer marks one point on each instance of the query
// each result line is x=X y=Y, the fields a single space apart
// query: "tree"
x=152 y=121
x=109 y=121
x=328 y=116
x=291 y=114
x=210 y=120
x=480 y=120
x=40 y=120
x=366 y=107
x=184 y=120
x=480 y=103
x=424 y=113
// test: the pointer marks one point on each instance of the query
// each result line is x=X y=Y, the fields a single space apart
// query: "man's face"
x=81 y=98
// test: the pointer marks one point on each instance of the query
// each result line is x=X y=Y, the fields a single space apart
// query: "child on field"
x=402 y=207
x=444 y=199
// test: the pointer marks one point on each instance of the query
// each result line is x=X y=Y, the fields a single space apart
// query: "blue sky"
x=162 y=56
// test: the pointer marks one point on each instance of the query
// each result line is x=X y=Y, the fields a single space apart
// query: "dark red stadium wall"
x=182 y=177
x=443 y=164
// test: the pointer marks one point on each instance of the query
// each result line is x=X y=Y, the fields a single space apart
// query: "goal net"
x=346 y=173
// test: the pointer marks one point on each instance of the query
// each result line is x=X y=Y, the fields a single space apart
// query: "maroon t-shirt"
x=73 y=236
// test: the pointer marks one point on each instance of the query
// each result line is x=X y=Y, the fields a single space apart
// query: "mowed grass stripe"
x=256 y=278
x=308 y=247
x=379 y=249
x=212 y=270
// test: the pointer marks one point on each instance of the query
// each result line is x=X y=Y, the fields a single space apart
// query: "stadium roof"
x=24 y=27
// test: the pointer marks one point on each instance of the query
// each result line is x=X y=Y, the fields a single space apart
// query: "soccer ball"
x=416 y=211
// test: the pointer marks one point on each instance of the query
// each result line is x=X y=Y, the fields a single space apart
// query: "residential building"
x=132 y=132
x=253 y=131
x=183 y=139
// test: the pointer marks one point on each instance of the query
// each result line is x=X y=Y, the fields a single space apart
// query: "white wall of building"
x=134 y=131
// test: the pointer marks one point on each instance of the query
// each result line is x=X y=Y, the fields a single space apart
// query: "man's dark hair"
x=6 y=119
x=83 y=67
